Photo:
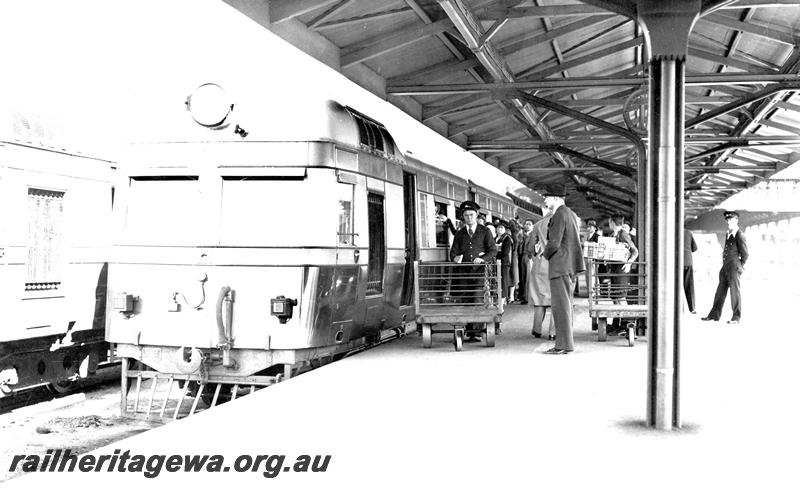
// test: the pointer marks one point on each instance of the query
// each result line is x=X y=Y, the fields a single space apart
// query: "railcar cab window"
x=310 y=201
x=164 y=210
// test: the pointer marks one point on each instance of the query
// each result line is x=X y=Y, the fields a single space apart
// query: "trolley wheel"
x=489 y=335
x=458 y=339
x=426 y=336
x=602 y=322
x=631 y=334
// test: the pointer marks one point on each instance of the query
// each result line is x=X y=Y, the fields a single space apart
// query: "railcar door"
x=346 y=313
x=410 y=206
x=374 y=292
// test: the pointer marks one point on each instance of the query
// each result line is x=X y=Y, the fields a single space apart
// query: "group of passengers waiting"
x=541 y=262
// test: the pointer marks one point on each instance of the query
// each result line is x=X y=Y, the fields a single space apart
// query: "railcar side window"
x=442 y=232
x=345 y=232
x=45 y=239
x=424 y=229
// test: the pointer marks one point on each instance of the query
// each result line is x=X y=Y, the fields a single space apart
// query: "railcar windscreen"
x=164 y=211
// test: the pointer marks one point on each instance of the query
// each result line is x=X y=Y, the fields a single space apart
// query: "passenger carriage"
x=56 y=210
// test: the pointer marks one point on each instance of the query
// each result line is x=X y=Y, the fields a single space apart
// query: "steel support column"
x=668 y=25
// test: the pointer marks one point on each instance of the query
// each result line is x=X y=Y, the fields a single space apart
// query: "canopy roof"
x=522 y=84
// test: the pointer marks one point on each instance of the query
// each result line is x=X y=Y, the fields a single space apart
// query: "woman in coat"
x=505 y=248
x=538 y=279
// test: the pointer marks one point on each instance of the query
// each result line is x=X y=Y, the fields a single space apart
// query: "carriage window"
x=345 y=232
x=442 y=231
x=45 y=239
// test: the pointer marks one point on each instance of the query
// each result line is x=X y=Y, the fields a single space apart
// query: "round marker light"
x=210 y=106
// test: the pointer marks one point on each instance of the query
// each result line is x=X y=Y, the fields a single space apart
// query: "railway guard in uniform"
x=734 y=256
x=565 y=260
x=473 y=243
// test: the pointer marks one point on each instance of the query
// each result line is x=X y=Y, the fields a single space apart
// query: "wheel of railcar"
x=489 y=335
x=602 y=322
x=427 y=340
x=631 y=334
x=458 y=339
x=62 y=387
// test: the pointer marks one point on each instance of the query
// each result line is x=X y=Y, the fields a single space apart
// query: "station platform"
x=400 y=415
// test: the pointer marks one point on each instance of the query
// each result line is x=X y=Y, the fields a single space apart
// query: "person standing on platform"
x=513 y=231
x=505 y=248
x=522 y=260
x=473 y=243
x=526 y=254
x=565 y=260
x=593 y=236
x=620 y=271
x=539 y=279
x=734 y=257
x=689 y=246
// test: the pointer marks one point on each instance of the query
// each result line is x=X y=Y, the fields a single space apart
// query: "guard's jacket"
x=735 y=254
x=480 y=245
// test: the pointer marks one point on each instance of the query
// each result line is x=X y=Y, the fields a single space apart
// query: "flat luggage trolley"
x=449 y=296
x=614 y=294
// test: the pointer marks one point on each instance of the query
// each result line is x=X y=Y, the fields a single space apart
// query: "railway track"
x=45 y=393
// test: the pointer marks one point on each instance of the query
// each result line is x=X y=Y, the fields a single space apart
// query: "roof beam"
x=621 y=201
x=617 y=168
x=453 y=103
x=433 y=72
x=726 y=61
x=362 y=18
x=754 y=97
x=391 y=41
x=495 y=13
x=282 y=10
x=517 y=44
x=540 y=72
x=754 y=29
x=316 y=21
x=587 y=82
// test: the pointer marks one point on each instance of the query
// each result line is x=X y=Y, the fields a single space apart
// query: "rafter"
x=359 y=19
x=328 y=13
x=541 y=72
x=727 y=61
x=512 y=46
x=752 y=27
x=391 y=41
x=282 y=10
x=494 y=13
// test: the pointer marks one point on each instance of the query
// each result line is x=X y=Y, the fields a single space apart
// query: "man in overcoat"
x=734 y=256
x=565 y=260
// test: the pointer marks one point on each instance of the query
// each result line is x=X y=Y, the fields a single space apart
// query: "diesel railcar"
x=56 y=209
x=237 y=261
